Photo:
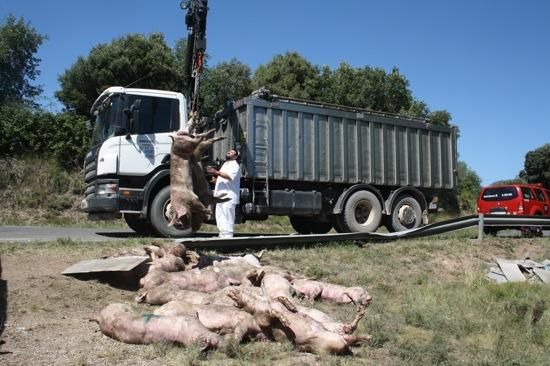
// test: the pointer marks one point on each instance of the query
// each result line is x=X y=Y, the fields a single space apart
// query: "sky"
x=485 y=61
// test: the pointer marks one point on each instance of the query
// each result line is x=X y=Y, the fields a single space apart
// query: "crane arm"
x=195 y=19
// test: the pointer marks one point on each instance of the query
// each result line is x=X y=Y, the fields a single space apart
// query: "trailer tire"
x=339 y=224
x=405 y=214
x=139 y=224
x=307 y=225
x=362 y=212
x=160 y=219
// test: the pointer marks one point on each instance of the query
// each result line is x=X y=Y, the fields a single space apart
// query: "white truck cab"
x=127 y=167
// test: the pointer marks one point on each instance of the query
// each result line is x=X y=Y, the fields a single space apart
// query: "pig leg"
x=351 y=327
x=352 y=340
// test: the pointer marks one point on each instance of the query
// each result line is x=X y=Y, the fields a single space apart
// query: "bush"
x=25 y=132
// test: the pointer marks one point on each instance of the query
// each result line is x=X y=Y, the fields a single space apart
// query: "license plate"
x=83 y=204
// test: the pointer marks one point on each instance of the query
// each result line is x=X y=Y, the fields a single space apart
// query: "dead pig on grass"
x=318 y=290
x=280 y=318
x=222 y=319
x=120 y=322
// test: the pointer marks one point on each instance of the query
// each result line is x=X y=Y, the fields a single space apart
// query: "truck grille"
x=90 y=172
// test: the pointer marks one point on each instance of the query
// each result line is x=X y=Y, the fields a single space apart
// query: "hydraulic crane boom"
x=195 y=20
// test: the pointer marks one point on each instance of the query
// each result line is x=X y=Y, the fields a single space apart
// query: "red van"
x=514 y=199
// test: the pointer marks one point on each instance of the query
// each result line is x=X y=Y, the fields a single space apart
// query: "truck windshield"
x=106 y=119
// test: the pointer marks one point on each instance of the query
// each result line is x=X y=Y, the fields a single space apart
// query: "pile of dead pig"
x=208 y=301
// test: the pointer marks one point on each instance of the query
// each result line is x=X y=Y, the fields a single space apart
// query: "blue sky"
x=486 y=62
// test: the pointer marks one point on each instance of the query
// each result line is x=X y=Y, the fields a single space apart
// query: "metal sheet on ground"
x=511 y=271
x=543 y=274
x=120 y=264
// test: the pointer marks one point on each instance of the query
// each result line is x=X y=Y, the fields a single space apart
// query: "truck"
x=324 y=166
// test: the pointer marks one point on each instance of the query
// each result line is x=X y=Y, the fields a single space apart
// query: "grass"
x=432 y=304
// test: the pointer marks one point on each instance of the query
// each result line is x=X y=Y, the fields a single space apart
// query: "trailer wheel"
x=307 y=225
x=406 y=214
x=339 y=224
x=139 y=224
x=161 y=216
x=362 y=212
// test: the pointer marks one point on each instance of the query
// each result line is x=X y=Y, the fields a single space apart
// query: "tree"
x=468 y=188
x=136 y=60
x=441 y=117
x=19 y=43
x=537 y=166
x=288 y=75
x=367 y=87
x=225 y=82
x=464 y=196
x=516 y=180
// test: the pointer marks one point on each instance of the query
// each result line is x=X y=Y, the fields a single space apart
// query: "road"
x=33 y=233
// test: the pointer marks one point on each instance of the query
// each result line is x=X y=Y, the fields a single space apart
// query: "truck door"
x=148 y=143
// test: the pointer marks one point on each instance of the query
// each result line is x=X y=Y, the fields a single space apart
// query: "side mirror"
x=132 y=114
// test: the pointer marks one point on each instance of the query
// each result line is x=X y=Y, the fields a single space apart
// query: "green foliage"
x=289 y=75
x=144 y=62
x=516 y=180
x=26 y=131
x=537 y=166
x=464 y=198
x=227 y=81
x=440 y=118
x=19 y=43
x=469 y=185
x=367 y=87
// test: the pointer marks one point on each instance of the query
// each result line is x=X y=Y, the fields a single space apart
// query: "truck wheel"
x=339 y=224
x=308 y=225
x=362 y=212
x=406 y=214
x=161 y=216
x=139 y=224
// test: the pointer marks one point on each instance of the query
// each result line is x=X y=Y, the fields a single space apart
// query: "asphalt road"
x=33 y=233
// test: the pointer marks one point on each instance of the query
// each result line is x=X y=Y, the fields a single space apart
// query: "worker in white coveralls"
x=228 y=180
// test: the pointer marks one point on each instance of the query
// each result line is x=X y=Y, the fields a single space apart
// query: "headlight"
x=108 y=188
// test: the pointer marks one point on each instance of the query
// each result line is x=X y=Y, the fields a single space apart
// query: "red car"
x=514 y=199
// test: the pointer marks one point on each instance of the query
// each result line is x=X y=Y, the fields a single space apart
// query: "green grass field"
x=432 y=304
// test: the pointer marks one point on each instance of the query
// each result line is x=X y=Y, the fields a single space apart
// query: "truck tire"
x=339 y=224
x=307 y=225
x=406 y=214
x=139 y=224
x=362 y=212
x=160 y=216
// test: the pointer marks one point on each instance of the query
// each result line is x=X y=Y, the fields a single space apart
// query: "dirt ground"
x=50 y=317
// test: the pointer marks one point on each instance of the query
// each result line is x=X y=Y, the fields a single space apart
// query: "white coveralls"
x=225 y=211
